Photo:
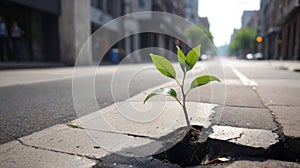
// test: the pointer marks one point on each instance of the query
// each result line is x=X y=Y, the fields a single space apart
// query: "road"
x=27 y=107
x=30 y=106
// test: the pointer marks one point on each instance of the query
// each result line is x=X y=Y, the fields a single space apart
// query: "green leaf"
x=202 y=80
x=181 y=59
x=162 y=91
x=163 y=66
x=192 y=57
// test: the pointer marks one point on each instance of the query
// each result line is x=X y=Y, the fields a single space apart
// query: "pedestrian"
x=16 y=37
x=3 y=35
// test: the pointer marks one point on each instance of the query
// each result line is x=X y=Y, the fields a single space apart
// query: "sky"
x=224 y=16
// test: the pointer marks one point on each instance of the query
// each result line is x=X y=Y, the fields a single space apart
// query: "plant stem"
x=183 y=102
x=187 y=92
x=178 y=101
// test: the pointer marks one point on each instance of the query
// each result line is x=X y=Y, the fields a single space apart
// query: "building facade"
x=204 y=22
x=191 y=11
x=279 y=25
x=248 y=17
x=56 y=30
x=39 y=23
x=253 y=22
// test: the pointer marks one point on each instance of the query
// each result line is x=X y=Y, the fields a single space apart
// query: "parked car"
x=258 y=56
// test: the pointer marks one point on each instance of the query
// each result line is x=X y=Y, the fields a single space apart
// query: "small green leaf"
x=162 y=91
x=163 y=66
x=192 y=57
x=202 y=80
x=181 y=59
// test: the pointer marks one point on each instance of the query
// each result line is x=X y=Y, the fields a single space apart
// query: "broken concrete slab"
x=255 y=138
x=64 y=139
x=254 y=118
x=14 y=154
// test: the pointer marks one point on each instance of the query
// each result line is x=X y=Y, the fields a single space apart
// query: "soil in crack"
x=188 y=152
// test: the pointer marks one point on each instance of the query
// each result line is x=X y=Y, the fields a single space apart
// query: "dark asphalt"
x=25 y=109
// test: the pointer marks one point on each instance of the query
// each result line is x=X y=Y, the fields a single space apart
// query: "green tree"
x=200 y=35
x=243 y=42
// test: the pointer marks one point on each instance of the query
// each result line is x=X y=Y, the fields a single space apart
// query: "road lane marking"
x=246 y=81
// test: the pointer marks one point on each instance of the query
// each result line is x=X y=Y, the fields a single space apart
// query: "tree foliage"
x=200 y=35
x=244 y=41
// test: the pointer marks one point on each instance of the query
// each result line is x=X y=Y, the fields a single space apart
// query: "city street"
x=150 y=83
x=261 y=105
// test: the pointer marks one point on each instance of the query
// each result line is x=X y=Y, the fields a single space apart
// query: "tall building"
x=191 y=11
x=253 y=22
x=247 y=17
x=279 y=24
x=204 y=22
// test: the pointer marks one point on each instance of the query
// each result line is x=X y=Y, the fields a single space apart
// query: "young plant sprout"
x=186 y=63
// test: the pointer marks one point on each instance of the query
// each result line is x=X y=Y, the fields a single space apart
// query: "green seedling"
x=186 y=63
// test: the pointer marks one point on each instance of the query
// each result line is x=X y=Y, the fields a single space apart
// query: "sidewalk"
x=252 y=138
x=28 y=65
x=287 y=65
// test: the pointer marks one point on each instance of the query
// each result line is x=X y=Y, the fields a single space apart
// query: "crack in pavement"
x=120 y=133
x=58 y=151
x=279 y=129
x=281 y=105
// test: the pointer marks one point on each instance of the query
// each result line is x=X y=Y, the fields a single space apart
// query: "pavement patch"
x=255 y=138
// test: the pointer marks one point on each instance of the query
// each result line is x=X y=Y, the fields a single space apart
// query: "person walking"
x=3 y=34
x=16 y=37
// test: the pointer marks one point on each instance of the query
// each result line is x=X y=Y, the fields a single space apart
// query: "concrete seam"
x=57 y=151
x=127 y=134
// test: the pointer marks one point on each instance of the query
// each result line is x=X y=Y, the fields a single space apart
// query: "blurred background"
x=53 y=31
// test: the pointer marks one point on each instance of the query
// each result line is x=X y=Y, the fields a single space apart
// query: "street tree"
x=199 y=34
x=243 y=42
